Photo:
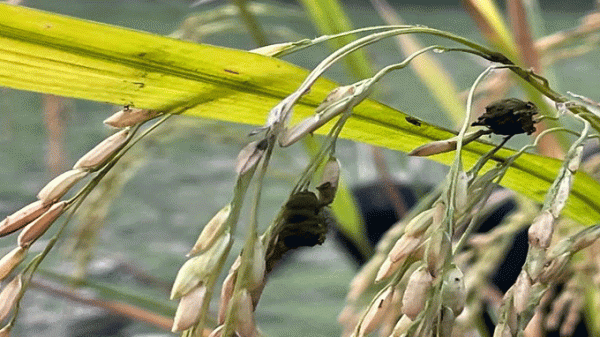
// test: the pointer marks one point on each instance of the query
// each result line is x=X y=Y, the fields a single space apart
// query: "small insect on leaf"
x=413 y=121
x=509 y=116
x=130 y=116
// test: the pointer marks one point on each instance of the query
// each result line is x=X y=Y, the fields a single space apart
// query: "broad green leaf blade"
x=99 y=62
x=60 y=55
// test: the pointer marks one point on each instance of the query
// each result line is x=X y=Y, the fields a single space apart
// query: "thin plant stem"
x=251 y=23
x=484 y=159
x=248 y=253
x=110 y=292
x=31 y=268
x=72 y=205
x=364 y=85
x=328 y=148
x=305 y=43
x=457 y=164
x=475 y=219
x=240 y=189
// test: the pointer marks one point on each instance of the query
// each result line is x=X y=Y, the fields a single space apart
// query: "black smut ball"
x=509 y=116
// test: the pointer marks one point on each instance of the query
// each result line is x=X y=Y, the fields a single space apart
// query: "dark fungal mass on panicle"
x=303 y=225
x=263 y=144
x=509 y=116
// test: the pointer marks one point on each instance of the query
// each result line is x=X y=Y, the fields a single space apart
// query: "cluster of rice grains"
x=36 y=218
x=300 y=222
x=428 y=275
x=431 y=277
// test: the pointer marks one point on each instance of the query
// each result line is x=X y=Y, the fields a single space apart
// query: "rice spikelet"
x=100 y=154
x=22 y=217
x=40 y=225
x=11 y=260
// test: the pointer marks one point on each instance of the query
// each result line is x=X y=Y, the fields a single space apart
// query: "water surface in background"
x=188 y=177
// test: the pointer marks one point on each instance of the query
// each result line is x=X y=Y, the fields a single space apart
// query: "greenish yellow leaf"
x=60 y=55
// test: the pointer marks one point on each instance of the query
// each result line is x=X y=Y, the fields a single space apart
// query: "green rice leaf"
x=59 y=55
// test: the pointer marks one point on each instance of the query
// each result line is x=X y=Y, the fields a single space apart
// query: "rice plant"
x=428 y=275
